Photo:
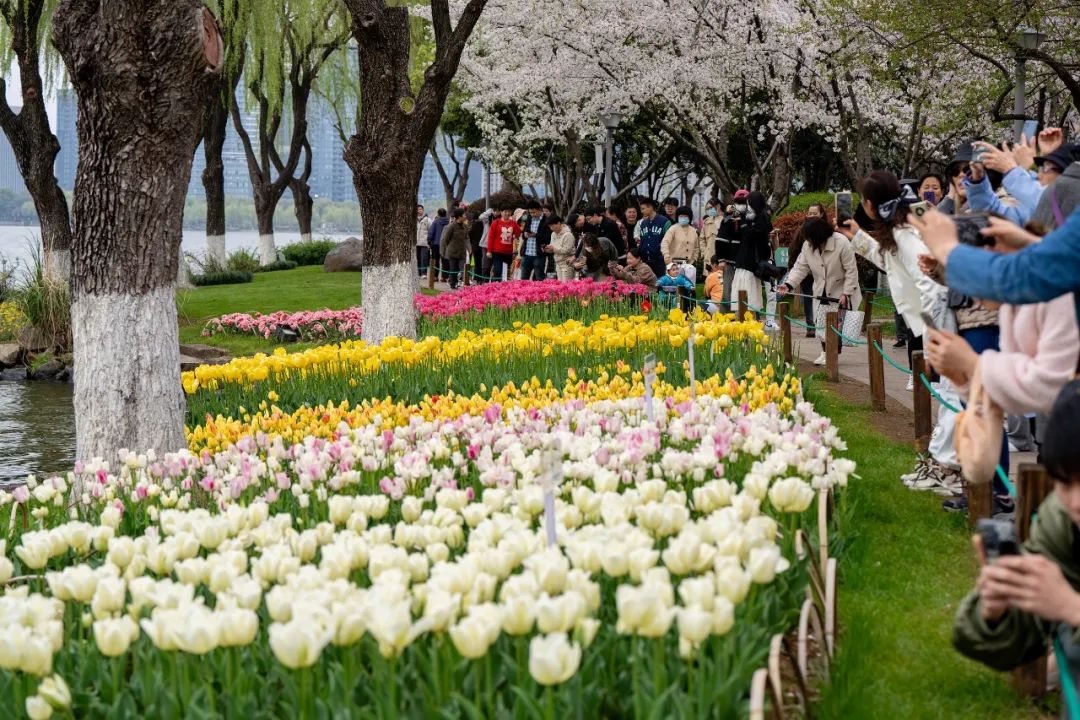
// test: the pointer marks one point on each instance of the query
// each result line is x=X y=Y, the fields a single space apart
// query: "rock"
x=188 y=362
x=346 y=257
x=10 y=354
x=48 y=370
x=33 y=340
x=66 y=375
x=205 y=353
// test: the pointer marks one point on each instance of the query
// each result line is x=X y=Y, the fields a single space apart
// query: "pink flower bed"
x=310 y=324
x=504 y=295
x=340 y=324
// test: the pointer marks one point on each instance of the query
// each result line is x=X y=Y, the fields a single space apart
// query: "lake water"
x=37 y=426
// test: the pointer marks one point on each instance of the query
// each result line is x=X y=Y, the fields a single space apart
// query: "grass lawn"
x=905 y=566
x=305 y=288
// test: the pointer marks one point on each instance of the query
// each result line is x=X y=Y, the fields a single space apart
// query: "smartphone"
x=844 y=206
x=1031 y=128
x=930 y=196
x=921 y=208
x=928 y=320
x=977 y=153
x=998 y=538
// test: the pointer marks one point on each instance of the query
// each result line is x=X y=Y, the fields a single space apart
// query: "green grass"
x=905 y=566
x=305 y=288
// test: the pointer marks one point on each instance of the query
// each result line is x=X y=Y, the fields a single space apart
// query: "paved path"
x=854 y=363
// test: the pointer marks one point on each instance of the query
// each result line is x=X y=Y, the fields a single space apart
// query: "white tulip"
x=55 y=691
x=792 y=495
x=37 y=708
x=695 y=624
x=553 y=659
x=113 y=636
x=297 y=644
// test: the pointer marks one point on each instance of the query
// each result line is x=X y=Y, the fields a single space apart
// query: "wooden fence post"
x=924 y=423
x=877 y=367
x=785 y=330
x=832 y=348
x=1032 y=487
x=868 y=309
x=742 y=304
x=431 y=274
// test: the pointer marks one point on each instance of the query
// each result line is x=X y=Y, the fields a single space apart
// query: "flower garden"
x=511 y=517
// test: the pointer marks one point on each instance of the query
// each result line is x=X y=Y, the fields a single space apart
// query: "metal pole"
x=1019 y=101
x=609 y=150
x=487 y=186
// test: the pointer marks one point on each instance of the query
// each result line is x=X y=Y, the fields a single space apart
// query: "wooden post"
x=832 y=347
x=877 y=367
x=924 y=423
x=431 y=274
x=868 y=309
x=742 y=304
x=980 y=497
x=1032 y=487
x=785 y=330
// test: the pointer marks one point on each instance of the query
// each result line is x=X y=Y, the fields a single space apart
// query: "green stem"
x=549 y=710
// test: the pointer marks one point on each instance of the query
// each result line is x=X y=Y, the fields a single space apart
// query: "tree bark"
x=32 y=141
x=144 y=72
x=213 y=175
x=386 y=156
x=302 y=200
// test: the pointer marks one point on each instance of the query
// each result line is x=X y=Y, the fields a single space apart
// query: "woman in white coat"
x=828 y=258
x=895 y=246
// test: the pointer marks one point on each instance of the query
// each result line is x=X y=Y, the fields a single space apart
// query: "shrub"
x=11 y=320
x=227 y=277
x=45 y=303
x=243 y=260
x=308 y=253
x=279 y=265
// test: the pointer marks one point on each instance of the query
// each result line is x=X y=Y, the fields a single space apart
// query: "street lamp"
x=487 y=177
x=701 y=192
x=598 y=163
x=1027 y=39
x=611 y=119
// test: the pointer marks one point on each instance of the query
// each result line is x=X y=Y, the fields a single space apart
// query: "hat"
x=1063 y=157
x=742 y=194
x=674 y=266
x=963 y=152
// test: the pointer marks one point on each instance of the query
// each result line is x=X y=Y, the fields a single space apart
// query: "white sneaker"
x=771 y=326
x=821 y=359
x=910 y=383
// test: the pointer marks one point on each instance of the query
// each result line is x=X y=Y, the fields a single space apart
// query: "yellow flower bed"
x=755 y=389
x=357 y=357
x=11 y=319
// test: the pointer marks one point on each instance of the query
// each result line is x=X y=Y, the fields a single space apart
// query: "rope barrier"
x=853 y=341
x=934 y=392
x=890 y=360
x=1068 y=688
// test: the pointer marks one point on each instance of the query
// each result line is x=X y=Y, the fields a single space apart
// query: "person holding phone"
x=828 y=258
x=1021 y=601
x=930 y=188
x=1023 y=186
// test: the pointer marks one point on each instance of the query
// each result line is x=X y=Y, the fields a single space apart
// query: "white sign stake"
x=551 y=479
x=650 y=378
x=690 y=351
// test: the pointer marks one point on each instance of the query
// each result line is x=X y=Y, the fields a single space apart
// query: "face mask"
x=711 y=212
x=740 y=207
x=684 y=220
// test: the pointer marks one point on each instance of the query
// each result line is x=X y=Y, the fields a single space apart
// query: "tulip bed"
x=382 y=535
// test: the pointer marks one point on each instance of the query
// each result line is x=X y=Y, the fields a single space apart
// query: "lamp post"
x=611 y=119
x=701 y=192
x=487 y=177
x=1028 y=39
x=598 y=164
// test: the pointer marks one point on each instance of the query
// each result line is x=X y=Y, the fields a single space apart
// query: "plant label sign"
x=690 y=358
x=649 y=377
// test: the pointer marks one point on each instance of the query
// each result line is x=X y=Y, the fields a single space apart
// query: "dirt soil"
x=896 y=423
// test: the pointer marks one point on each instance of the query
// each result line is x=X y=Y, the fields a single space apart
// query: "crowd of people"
x=659 y=245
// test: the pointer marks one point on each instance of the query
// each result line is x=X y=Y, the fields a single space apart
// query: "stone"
x=346 y=257
x=66 y=375
x=188 y=362
x=10 y=354
x=203 y=352
x=33 y=340
x=48 y=370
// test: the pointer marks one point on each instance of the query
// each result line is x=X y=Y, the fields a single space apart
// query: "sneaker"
x=771 y=326
x=931 y=477
x=952 y=484
x=911 y=383
x=820 y=359
x=921 y=468
x=1003 y=508
x=958 y=504
x=900 y=342
x=811 y=332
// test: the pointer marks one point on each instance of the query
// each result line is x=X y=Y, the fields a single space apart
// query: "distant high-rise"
x=431 y=185
x=10 y=177
x=68 y=157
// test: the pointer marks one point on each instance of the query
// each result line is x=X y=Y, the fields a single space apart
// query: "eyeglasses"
x=1049 y=168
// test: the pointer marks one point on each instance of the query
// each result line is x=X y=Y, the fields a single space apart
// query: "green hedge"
x=228 y=277
x=308 y=253
x=279 y=265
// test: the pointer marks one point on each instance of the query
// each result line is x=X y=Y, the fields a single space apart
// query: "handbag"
x=848 y=322
x=978 y=433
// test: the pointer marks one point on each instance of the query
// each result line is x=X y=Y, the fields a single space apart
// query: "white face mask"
x=740 y=207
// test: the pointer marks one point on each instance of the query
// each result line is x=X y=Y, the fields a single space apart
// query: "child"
x=674 y=283
x=714 y=284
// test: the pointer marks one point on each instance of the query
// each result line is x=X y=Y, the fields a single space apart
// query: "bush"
x=308 y=253
x=279 y=265
x=46 y=304
x=227 y=277
x=243 y=260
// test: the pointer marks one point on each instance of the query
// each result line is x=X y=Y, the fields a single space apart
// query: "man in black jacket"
x=601 y=225
x=536 y=234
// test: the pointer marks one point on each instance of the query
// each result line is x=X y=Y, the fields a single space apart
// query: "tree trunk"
x=32 y=141
x=213 y=175
x=265 y=204
x=387 y=155
x=144 y=74
x=302 y=203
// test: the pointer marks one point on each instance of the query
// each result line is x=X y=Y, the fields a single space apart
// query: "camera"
x=920 y=208
x=968 y=229
x=998 y=538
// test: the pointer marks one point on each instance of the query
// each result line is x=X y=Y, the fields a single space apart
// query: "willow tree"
x=386 y=156
x=23 y=28
x=144 y=72
x=288 y=47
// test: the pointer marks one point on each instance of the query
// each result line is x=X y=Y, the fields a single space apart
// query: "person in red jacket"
x=503 y=237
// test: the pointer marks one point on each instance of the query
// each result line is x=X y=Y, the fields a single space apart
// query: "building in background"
x=68 y=157
x=431 y=186
x=10 y=177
